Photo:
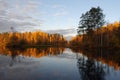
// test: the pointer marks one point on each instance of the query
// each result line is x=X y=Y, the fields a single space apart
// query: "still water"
x=55 y=64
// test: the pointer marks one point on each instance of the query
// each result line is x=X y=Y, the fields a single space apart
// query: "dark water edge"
x=58 y=63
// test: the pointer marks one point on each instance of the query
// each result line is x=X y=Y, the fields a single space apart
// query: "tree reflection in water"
x=90 y=70
x=16 y=54
x=110 y=57
x=13 y=56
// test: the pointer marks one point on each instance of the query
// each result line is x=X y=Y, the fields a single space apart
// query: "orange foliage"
x=105 y=36
x=32 y=52
x=32 y=38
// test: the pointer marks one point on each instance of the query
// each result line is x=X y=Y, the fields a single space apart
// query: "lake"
x=56 y=63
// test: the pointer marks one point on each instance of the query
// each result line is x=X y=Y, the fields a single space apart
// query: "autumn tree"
x=32 y=38
x=110 y=37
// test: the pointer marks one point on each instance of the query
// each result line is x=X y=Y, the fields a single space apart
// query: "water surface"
x=54 y=64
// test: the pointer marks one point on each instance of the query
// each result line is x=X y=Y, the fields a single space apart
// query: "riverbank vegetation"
x=94 y=33
x=33 y=39
x=107 y=36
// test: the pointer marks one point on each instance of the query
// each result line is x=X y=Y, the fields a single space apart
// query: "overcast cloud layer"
x=18 y=15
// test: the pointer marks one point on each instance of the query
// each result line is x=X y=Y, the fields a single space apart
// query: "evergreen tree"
x=92 y=19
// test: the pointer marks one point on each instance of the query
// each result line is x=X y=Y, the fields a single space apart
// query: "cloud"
x=3 y=7
x=6 y=24
x=67 y=33
x=18 y=14
x=60 y=10
x=30 y=7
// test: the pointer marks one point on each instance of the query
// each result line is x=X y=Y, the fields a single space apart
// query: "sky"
x=52 y=16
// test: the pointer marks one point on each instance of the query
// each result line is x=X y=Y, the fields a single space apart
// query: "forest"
x=94 y=32
x=37 y=38
x=107 y=36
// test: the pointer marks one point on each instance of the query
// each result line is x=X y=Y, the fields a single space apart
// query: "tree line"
x=32 y=38
x=106 y=36
x=92 y=31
